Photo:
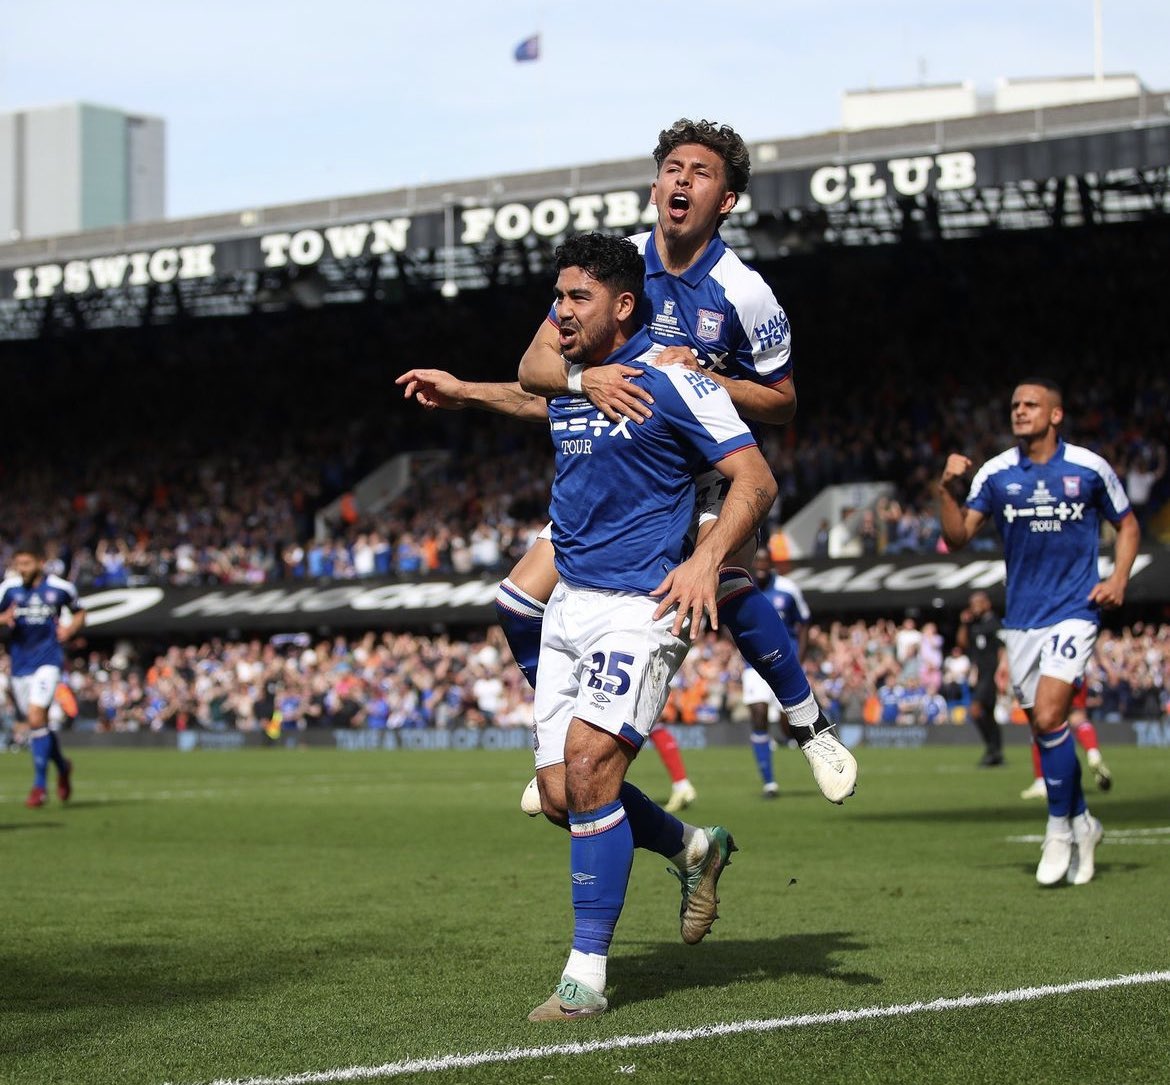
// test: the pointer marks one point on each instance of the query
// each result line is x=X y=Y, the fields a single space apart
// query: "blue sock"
x=55 y=754
x=40 y=746
x=762 y=638
x=1062 y=772
x=520 y=617
x=762 y=748
x=601 y=853
x=651 y=827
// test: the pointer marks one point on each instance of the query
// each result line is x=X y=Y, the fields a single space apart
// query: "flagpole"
x=542 y=79
x=1098 y=48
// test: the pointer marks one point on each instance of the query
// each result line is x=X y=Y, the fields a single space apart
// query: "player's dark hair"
x=614 y=261
x=720 y=138
x=30 y=545
x=1046 y=383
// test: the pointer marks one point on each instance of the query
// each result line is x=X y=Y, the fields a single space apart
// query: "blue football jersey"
x=34 y=637
x=720 y=308
x=1049 y=515
x=623 y=493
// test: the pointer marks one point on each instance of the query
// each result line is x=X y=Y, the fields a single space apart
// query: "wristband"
x=574 y=378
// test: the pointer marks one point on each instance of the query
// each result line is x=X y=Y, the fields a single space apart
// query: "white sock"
x=586 y=968
x=694 y=849
x=1094 y=758
x=1058 y=826
x=804 y=714
x=678 y=785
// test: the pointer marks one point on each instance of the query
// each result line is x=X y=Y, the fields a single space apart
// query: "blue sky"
x=271 y=101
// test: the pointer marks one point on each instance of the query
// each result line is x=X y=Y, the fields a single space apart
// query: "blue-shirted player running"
x=615 y=629
x=1047 y=498
x=787 y=600
x=31 y=603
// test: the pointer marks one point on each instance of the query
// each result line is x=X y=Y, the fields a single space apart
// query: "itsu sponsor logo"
x=773 y=332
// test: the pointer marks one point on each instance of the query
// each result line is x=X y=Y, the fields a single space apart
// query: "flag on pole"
x=528 y=49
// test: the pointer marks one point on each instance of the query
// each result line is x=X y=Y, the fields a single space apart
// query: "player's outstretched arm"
x=692 y=586
x=1110 y=592
x=959 y=523
x=543 y=372
x=436 y=388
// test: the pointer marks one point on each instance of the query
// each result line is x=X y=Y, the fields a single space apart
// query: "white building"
x=68 y=168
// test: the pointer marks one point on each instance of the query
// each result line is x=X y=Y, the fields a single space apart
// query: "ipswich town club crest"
x=709 y=325
x=1072 y=485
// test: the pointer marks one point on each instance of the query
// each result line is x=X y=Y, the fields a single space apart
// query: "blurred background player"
x=31 y=603
x=1086 y=736
x=788 y=601
x=1047 y=499
x=978 y=636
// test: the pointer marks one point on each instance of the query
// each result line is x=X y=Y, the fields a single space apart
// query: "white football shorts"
x=35 y=689
x=1060 y=651
x=603 y=659
x=756 y=690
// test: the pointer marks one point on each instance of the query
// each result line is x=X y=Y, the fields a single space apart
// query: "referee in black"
x=978 y=636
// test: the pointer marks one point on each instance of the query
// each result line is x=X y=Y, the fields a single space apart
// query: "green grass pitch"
x=269 y=913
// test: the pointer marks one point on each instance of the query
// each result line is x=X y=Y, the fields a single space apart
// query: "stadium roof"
x=945 y=178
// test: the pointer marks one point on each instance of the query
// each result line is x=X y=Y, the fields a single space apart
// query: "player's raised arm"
x=959 y=523
x=543 y=372
x=436 y=388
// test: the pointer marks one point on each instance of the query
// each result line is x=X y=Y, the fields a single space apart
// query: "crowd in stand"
x=880 y=672
x=200 y=452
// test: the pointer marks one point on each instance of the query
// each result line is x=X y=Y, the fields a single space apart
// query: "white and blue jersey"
x=34 y=641
x=718 y=307
x=623 y=494
x=1049 y=516
x=721 y=308
x=788 y=601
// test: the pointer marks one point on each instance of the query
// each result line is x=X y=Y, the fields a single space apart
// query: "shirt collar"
x=693 y=275
x=1026 y=462
x=639 y=342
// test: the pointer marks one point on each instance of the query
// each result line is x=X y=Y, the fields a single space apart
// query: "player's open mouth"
x=678 y=206
x=567 y=335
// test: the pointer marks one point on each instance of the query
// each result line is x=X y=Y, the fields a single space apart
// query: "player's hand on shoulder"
x=610 y=390
x=8 y=617
x=684 y=356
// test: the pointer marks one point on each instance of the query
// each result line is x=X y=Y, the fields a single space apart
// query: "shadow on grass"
x=1115 y=811
x=16 y=827
x=648 y=972
x=63 y=998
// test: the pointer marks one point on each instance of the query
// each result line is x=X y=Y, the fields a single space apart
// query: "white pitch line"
x=517 y=1054
x=1161 y=835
